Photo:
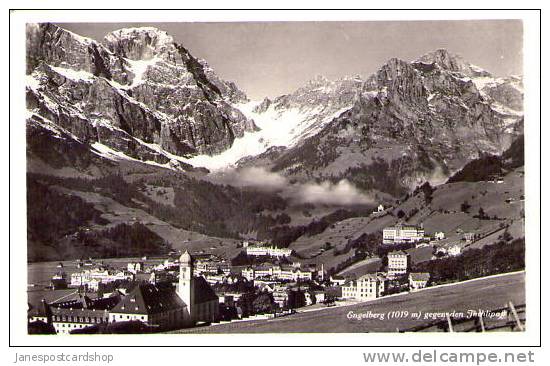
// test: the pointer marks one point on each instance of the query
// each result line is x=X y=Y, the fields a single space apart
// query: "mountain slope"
x=410 y=122
x=139 y=94
x=287 y=120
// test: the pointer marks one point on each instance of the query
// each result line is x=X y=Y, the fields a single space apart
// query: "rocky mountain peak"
x=318 y=80
x=138 y=95
x=142 y=43
x=400 y=79
x=452 y=62
x=56 y=46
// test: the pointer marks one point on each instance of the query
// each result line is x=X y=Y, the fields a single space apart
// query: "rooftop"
x=419 y=276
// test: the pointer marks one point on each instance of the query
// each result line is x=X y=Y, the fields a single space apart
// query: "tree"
x=39 y=327
x=481 y=214
x=296 y=299
x=506 y=236
x=465 y=206
x=400 y=214
x=427 y=189
x=263 y=303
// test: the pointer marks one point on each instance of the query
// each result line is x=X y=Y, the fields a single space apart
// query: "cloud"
x=340 y=193
x=250 y=177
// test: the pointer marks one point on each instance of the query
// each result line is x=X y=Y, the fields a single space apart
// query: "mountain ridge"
x=170 y=92
x=423 y=118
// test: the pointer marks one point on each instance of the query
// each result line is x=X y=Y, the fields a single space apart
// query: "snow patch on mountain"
x=115 y=155
x=75 y=75
x=139 y=69
x=278 y=127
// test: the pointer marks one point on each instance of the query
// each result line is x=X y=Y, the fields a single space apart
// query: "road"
x=483 y=294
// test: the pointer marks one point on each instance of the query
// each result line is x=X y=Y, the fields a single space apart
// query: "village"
x=201 y=289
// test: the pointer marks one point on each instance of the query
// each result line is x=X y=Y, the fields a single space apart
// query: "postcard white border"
x=18 y=273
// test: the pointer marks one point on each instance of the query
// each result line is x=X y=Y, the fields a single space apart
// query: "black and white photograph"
x=187 y=178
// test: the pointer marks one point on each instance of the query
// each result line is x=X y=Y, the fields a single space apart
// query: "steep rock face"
x=169 y=79
x=410 y=122
x=140 y=93
x=93 y=111
x=452 y=62
x=59 y=47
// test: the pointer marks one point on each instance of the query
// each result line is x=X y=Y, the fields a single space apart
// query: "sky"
x=275 y=58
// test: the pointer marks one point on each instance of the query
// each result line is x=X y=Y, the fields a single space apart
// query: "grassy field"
x=339 y=233
x=485 y=294
x=179 y=239
x=369 y=265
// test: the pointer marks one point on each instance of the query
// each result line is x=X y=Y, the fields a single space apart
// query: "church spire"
x=185 y=258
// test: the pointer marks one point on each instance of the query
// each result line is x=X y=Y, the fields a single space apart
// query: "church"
x=158 y=305
x=164 y=308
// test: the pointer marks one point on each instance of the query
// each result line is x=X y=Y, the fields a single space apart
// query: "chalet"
x=380 y=209
x=469 y=237
x=337 y=280
x=454 y=250
x=135 y=267
x=418 y=280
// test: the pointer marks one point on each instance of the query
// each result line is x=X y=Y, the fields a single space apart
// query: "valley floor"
x=481 y=294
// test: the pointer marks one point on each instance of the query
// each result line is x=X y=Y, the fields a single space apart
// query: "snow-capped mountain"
x=288 y=119
x=138 y=95
x=409 y=122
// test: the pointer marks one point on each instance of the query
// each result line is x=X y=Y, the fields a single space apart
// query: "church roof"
x=419 y=276
x=186 y=257
x=203 y=291
x=397 y=253
x=149 y=299
x=40 y=310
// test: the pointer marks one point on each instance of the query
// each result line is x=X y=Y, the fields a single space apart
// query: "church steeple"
x=186 y=258
x=185 y=281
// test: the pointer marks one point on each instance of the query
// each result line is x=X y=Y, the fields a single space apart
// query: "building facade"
x=398 y=263
x=259 y=250
x=162 y=307
x=418 y=280
x=367 y=287
x=157 y=305
x=81 y=313
x=402 y=234
x=285 y=273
